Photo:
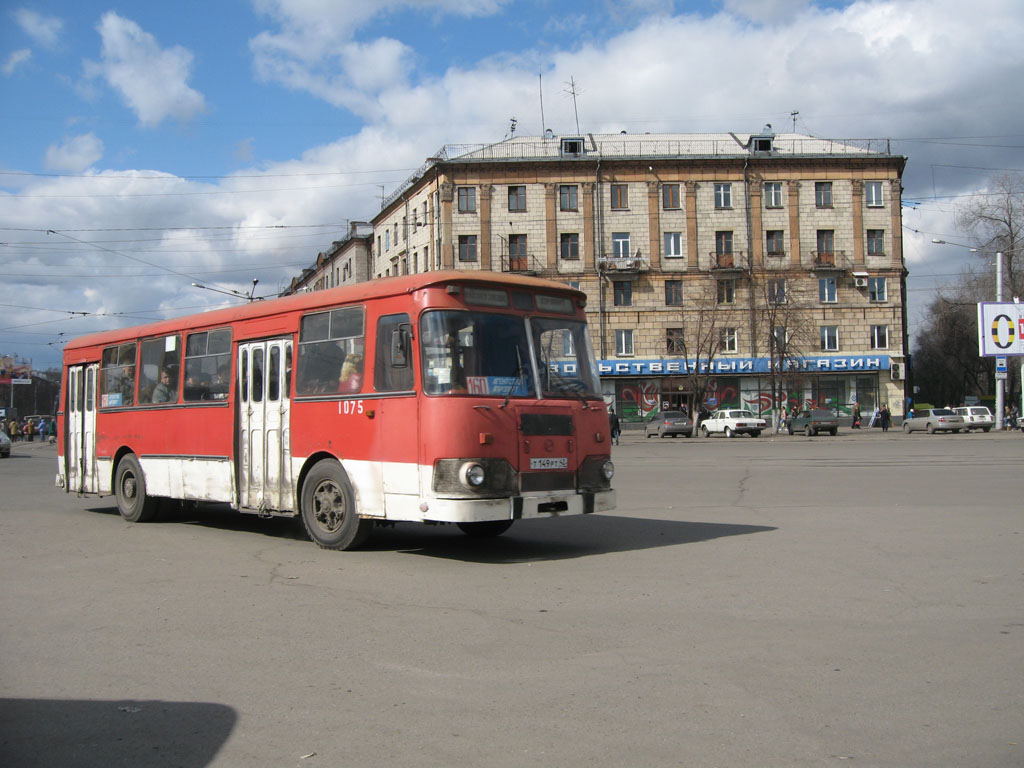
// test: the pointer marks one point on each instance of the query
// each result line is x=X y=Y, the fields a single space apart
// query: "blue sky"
x=272 y=123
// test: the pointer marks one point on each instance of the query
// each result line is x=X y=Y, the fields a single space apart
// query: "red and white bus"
x=453 y=397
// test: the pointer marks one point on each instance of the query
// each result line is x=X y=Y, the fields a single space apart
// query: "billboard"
x=1000 y=329
x=15 y=370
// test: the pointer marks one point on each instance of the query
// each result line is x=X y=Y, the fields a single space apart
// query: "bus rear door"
x=264 y=439
x=80 y=446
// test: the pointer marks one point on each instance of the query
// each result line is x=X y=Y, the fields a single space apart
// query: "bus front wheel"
x=329 y=509
x=133 y=503
x=485 y=528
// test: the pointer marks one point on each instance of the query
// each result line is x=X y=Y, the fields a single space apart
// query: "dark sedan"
x=813 y=421
x=669 y=423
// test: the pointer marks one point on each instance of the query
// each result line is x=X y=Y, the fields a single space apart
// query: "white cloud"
x=74 y=154
x=314 y=49
x=16 y=59
x=151 y=80
x=44 y=30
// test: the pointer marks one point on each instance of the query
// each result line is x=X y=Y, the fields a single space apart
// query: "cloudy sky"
x=147 y=146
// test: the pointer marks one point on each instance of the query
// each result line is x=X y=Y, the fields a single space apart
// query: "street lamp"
x=1000 y=383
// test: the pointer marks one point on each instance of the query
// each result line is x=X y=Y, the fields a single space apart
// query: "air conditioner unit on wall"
x=896 y=372
x=860 y=282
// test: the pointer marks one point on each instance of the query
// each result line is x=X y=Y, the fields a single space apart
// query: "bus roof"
x=302 y=302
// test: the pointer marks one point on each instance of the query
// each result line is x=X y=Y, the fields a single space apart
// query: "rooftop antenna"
x=540 y=86
x=512 y=127
x=794 y=114
x=574 y=91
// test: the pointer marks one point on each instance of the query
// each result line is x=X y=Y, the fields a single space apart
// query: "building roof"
x=648 y=146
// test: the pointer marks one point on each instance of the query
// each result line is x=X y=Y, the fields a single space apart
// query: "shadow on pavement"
x=53 y=732
x=526 y=541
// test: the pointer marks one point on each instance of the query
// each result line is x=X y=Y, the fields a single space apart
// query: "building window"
x=777 y=290
x=723 y=195
x=876 y=242
x=623 y=293
x=829 y=338
x=624 y=343
x=620 y=197
x=781 y=338
x=823 y=194
x=517 y=260
x=387 y=239
x=674 y=343
x=877 y=289
x=620 y=244
x=517 y=198
x=827 y=290
x=467 y=200
x=568 y=197
x=569 y=246
x=673 y=244
x=774 y=243
x=879 y=336
x=773 y=194
x=727 y=340
x=670 y=196
x=873 y=194
x=467 y=247
x=726 y=291
x=826 y=242
x=674 y=293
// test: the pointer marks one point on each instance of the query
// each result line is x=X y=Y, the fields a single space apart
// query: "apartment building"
x=347 y=261
x=744 y=263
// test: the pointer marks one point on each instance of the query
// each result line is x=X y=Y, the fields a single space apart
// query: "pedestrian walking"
x=613 y=424
x=856 y=415
x=885 y=417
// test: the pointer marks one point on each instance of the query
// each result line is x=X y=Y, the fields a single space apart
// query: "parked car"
x=976 y=417
x=732 y=422
x=812 y=421
x=5 y=445
x=933 y=420
x=669 y=423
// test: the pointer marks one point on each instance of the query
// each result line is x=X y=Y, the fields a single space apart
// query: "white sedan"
x=732 y=422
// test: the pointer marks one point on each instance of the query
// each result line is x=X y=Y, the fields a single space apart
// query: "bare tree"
x=701 y=340
x=995 y=221
x=788 y=330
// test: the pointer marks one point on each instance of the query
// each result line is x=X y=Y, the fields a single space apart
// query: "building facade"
x=721 y=270
x=347 y=261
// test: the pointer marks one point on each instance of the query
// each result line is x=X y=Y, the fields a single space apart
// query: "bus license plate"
x=549 y=463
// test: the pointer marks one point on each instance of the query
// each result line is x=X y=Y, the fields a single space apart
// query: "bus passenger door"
x=80 y=447
x=264 y=439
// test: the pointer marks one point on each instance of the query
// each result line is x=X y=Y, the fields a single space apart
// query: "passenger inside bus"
x=166 y=390
x=351 y=379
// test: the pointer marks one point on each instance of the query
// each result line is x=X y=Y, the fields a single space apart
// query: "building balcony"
x=524 y=265
x=635 y=264
x=829 y=261
x=727 y=262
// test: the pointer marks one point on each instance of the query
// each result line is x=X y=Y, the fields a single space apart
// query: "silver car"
x=932 y=420
x=670 y=423
x=976 y=417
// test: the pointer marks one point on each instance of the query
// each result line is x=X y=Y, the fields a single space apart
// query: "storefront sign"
x=739 y=365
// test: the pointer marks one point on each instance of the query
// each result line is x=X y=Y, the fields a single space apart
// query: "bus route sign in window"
x=331 y=350
x=117 y=376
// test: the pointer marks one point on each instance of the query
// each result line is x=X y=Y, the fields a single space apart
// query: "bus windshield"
x=481 y=353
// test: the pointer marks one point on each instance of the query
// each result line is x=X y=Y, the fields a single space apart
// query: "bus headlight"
x=608 y=470
x=472 y=475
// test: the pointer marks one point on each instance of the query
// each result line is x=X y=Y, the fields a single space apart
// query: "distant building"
x=348 y=261
x=726 y=255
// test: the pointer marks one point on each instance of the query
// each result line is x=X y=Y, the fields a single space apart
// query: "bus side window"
x=274 y=375
x=257 y=375
x=392 y=373
x=117 y=376
x=207 y=365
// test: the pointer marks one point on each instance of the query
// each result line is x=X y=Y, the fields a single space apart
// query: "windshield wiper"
x=519 y=373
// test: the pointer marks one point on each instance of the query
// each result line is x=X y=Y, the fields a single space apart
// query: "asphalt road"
x=754 y=602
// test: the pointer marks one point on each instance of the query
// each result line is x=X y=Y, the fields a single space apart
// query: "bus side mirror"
x=400 y=338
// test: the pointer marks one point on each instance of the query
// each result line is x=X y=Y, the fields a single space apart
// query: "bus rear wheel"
x=133 y=503
x=485 y=529
x=329 y=509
